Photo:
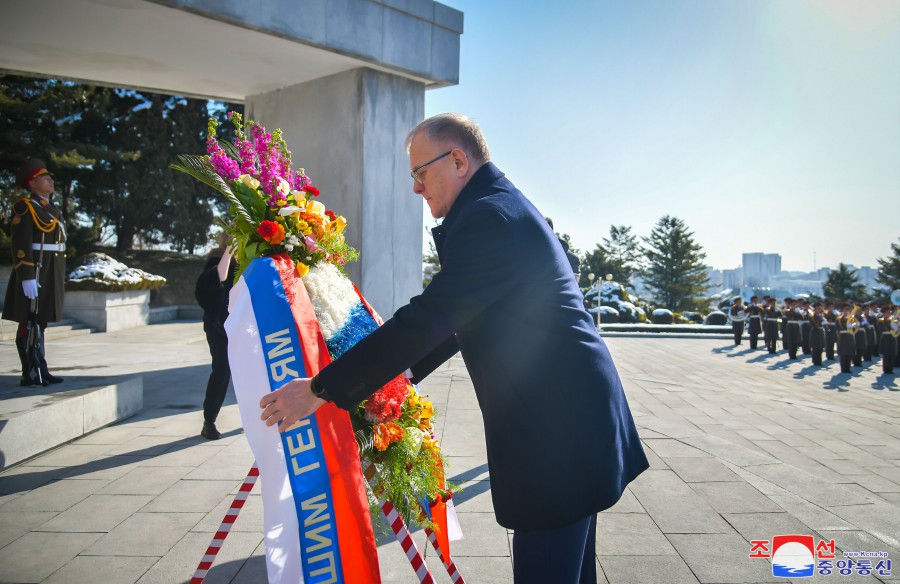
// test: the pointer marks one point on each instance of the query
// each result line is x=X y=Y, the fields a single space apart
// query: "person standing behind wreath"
x=213 y=287
x=737 y=314
x=39 y=264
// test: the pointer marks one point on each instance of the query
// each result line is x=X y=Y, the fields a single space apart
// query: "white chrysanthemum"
x=332 y=296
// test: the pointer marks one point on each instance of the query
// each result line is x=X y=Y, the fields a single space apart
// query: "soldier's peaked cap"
x=30 y=168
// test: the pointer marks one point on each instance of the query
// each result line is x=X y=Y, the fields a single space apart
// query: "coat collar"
x=476 y=188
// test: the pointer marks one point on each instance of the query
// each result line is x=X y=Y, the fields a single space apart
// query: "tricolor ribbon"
x=316 y=516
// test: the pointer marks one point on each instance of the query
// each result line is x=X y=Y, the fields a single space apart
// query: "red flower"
x=311 y=190
x=331 y=215
x=271 y=232
x=385 y=405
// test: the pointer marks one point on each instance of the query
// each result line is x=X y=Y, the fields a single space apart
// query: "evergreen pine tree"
x=624 y=252
x=844 y=284
x=596 y=262
x=675 y=271
x=889 y=271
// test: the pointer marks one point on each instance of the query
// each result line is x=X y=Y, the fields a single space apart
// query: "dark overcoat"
x=561 y=441
x=35 y=220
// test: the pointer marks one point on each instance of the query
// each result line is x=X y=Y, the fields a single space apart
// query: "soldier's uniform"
x=737 y=314
x=846 y=343
x=805 y=327
x=862 y=341
x=817 y=323
x=890 y=331
x=38 y=251
x=872 y=336
x=771 y=326
x=830 y=331
x=755 y=312
x=792 y=335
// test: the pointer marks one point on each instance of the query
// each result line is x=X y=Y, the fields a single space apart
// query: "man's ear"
x=460 y=161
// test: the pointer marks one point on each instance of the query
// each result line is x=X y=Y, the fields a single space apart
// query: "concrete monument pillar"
x=347 y=130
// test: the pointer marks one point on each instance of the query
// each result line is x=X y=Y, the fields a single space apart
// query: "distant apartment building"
x=732 y=278
x=759 y=268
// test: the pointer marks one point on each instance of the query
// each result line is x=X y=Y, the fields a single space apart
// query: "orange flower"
x=386 y=434
x=271 y=232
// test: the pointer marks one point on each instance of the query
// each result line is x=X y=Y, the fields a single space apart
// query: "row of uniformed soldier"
x=815 y=329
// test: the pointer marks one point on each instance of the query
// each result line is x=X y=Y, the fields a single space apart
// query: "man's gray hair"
x=457 y=130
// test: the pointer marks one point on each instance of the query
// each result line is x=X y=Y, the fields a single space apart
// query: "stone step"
x=55 y=330
x=36 y=419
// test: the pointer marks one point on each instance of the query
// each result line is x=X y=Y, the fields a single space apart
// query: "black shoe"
x=50 y=378
x=209 y=431
x=28 y=381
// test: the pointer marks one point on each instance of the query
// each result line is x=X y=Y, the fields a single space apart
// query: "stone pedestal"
x=348 y=132
x=109 y=311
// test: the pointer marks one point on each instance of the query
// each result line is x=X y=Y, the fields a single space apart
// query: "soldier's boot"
x=46 y=376
x=28 y=378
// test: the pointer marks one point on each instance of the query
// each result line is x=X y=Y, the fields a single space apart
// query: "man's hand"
x=30 y=288
x=289 y=404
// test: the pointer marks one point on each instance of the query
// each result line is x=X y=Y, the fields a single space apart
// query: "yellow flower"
x=316 y=208
x=281 y=202
x=339 y=224
x=303 y=227
x=302 y=269
x=249 y=181
x=431 y=445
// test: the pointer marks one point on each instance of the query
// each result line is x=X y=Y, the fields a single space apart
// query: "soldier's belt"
x=49 y=246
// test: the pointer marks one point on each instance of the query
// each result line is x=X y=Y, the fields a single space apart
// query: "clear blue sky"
x=766 y=125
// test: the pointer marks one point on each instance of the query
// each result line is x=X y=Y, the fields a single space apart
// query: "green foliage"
x=843 y=284
x=624 y=253
x=675 y=271
x=595 y=262
x=889 y=270
x=109 y=151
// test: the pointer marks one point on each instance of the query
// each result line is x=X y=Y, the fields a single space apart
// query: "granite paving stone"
x=630 y=534
x=646 y=569
x=669 y=448
x=146 y=480
x=720 y=558
x=35 y=556
x=735 y=498
x=189 y=550
x=15 y=524
x=191 y=496
x=97 y=513
x=58 y=495
x=130 y=538
x=702 y=470
x=109 y=570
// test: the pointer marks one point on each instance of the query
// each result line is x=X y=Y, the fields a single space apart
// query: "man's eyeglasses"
x=415 y=172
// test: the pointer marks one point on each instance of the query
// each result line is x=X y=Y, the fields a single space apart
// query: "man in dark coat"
x=39 y=266
x=561 y=442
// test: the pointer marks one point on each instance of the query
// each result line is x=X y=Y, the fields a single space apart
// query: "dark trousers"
x=887 y=363
x=738 y=329
x=565 y=555
x=845 y=363
x=805 y=331
x=816 y=356
x=219 y=378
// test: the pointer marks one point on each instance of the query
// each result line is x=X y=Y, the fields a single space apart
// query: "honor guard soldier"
x=890 y=331
x=771 y=325
x=39 y=265
x=872 y=336
x=792 y=336
x=861 y=338
x=755 y=312
x=817 y=324
x=805 y=313
x=830 y=329
x=847 y=325
x=737 y=314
